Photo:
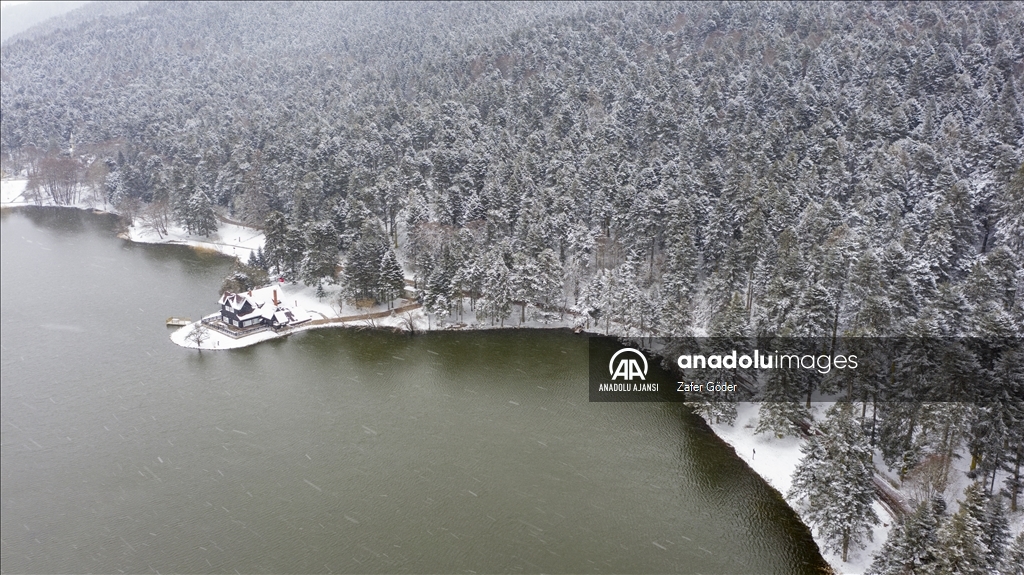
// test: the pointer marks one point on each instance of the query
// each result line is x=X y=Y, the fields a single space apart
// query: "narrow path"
x=366 y=316
x=236 y=223
x=890 y=498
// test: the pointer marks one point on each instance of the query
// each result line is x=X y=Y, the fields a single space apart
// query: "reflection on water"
x=333 y=450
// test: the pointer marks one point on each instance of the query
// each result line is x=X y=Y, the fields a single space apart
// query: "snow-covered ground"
x=11 y=193
x=776 y=459
x=773 y=459
x=304 y=300
x=14 y=193
x=229 y=239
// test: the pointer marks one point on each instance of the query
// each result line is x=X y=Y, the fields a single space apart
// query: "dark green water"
x=333 y=450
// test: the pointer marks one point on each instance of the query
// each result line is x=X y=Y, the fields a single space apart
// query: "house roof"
x=263 y=305
x=256 y=298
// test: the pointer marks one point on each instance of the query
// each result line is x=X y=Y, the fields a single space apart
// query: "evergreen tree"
x=834 y=479
x=497 y=294
x=781 y=407
x=275 y=228
x=392 y=279
x=961 y=546
x=200 y=218
x=293 y=252
x=439 y=295
x=362 y=267
x=679 y=273
x=910 y=547
x=995 y=527
x=1014 y=562
x=321 y=259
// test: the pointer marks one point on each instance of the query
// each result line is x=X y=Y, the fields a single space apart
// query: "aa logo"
x=627 y=367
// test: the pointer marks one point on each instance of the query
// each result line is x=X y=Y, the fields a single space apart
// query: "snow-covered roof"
x=256 y=298
x=265 y=304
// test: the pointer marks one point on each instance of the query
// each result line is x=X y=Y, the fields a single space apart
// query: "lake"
x=333 y=450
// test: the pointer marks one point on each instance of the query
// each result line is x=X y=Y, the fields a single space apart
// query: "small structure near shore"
x=178 y=321
x=259 y=307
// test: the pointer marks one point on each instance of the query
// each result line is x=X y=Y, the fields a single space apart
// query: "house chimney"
x=250 y=293
x=275 y=297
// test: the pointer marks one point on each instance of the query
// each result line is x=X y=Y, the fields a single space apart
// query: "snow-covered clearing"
x=229 y=239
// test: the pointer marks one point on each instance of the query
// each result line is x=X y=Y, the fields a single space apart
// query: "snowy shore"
x=406 y=315
x=773 y=459
x=229 y=239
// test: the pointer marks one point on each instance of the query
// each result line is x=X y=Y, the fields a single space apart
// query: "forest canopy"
x=723 y=169
x=853 y=166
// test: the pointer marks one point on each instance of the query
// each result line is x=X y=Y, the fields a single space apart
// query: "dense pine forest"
x=725 y=169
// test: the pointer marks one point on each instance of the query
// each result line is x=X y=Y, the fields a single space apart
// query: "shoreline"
x=230 y=239
x=396 y=319
x=775 y=463
x=736 y=436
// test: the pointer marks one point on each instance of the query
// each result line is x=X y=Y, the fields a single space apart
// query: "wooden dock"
x=178 y=321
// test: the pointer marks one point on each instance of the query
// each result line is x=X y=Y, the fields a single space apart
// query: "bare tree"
x=409 y=322
x=95 y=176
x=59 y=179
x=156 y=216
x=129 y=208
x=199 y=334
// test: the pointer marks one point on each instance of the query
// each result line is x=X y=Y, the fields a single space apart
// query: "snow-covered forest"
x=723 y=169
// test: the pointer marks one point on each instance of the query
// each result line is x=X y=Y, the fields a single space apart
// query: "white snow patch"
x=11 y=193
x=229 y=239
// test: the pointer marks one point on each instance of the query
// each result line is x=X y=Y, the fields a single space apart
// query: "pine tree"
x=1013 y=564
x=910 y=547
x=1011 y=211
x=835 y=477
x=780 y=406
x=293 y=252
x=731 y=320
x=275 y=228
x=961 y=546
x=362 y=267
x=200 y=218
x=321 y=259
x=439 y=295
x=679 y=272
x=392 y=279
x=995 y=527
x=497 y=294
x=782 y=292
